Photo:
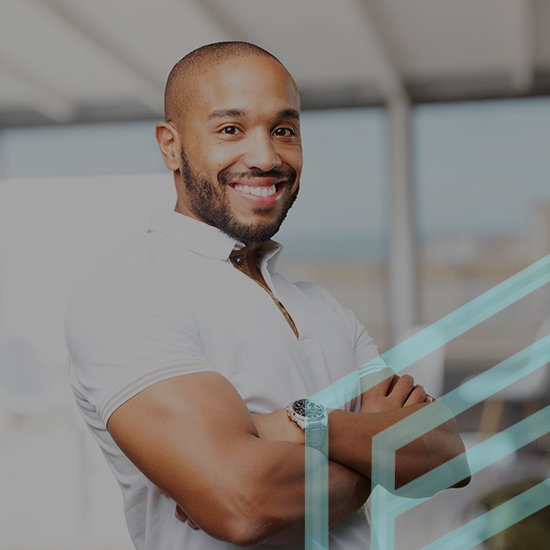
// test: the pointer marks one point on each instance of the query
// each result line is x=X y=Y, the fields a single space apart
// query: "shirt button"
x=238 y=260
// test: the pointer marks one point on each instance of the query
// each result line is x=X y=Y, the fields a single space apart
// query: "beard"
x=211 y=204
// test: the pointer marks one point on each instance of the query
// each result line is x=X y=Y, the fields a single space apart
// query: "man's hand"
x=393 y=392
x=387 y=399
x=180 y=514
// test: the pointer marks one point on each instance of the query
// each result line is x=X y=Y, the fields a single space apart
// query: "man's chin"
x=252 y=234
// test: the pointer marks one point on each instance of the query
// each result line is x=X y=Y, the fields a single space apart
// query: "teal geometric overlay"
x=316 y=519
x=387 y=506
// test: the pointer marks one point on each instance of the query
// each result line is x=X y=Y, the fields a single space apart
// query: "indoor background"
x=426 y=135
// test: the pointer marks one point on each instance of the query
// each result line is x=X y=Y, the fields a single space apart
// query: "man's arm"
x=384 y=405
x=194 y=438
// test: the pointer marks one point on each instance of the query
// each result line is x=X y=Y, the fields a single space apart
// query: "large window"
x=483 y=205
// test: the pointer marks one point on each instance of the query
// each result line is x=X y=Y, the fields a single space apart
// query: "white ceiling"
x=65 y=61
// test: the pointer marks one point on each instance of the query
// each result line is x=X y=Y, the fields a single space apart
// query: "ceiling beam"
x=149 y=92
x=521 y=26
x=386 y=72
x=35 y=96
x=224 y=20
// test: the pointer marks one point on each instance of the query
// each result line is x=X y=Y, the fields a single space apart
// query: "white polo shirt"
x=171 y=303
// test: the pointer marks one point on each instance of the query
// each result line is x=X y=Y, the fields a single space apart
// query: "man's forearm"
x=350 y=436
x=350 y=443
x=348 y=491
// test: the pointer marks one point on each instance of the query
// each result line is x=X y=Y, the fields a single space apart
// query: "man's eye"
x=285 y=132
x=230 y=130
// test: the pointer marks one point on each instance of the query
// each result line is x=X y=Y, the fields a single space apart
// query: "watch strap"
x=316 y=429
x=316 y=432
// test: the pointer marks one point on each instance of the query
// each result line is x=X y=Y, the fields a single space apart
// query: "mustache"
x=278 y=173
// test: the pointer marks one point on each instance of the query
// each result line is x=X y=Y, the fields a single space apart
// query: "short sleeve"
x=128 y=328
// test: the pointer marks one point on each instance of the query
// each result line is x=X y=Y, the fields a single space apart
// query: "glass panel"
x=483 y=202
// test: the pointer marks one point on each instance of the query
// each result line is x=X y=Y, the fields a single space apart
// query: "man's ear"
x=169 y=143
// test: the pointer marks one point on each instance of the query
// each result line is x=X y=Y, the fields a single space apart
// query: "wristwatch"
x=315 y=414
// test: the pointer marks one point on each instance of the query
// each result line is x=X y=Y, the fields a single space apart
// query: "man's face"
x=241 y=157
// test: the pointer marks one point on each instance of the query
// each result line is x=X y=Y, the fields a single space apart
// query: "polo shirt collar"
x=204 y=239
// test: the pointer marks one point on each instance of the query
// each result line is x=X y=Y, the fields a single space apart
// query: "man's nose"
x=262 y=154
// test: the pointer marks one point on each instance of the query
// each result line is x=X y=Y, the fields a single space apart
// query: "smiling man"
x=188 y=346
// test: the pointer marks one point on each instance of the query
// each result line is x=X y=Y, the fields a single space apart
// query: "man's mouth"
x=264 y=191
x=258 y=188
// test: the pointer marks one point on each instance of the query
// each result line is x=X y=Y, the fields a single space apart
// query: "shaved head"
x=180 y=90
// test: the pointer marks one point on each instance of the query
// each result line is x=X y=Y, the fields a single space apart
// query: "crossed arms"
x=240 y=477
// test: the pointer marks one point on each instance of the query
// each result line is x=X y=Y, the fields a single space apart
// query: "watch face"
x=312 y=409
x=299 y=407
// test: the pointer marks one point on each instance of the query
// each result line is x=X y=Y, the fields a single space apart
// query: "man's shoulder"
x=133 y=272
x=134 y=258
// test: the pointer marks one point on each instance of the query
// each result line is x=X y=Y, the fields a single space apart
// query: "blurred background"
x=426 y=134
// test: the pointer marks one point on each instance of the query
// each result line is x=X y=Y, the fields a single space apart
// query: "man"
x=187 y=347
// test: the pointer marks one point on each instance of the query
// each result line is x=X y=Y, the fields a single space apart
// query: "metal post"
x=402 y=260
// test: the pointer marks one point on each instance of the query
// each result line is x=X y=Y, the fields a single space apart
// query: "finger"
x=383 y=381
x=394 y=381
x=417 y=395
x=192 y=525
x=180 y=514
x=369 y=381
x=402 y=389
x=429 y=399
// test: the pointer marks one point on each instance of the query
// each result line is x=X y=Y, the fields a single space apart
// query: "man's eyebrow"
x=225 y=113
x=289 y=113
x=222 y=113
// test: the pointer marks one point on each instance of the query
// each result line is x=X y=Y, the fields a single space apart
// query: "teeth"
x=258 y=191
